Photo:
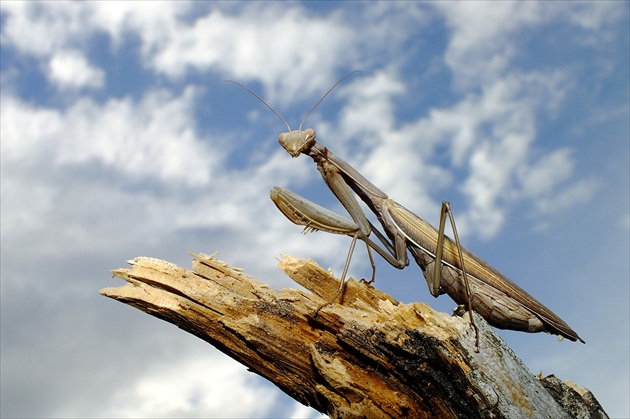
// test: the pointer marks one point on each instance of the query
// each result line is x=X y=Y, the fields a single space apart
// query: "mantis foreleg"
x=313 y=217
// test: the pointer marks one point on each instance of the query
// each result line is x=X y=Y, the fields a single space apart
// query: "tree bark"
x=366 y=355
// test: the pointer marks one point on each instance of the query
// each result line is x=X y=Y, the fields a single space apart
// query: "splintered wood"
x=366 y=355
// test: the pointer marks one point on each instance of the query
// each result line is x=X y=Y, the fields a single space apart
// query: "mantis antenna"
x=263 y=102
x=326 y=94
x=309 y=112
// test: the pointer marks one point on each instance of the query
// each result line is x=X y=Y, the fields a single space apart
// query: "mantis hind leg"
x=369 y=252
x=437 y=274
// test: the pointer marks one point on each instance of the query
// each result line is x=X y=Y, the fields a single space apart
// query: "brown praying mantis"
x=447 y=266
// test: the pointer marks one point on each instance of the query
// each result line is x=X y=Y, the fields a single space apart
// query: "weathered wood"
x=370 y=356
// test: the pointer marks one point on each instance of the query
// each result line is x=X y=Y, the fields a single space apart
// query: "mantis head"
x=297 y=141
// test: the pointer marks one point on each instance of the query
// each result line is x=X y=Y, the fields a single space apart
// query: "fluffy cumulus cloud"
x=70 y=69
x=151 y=138
x=240 y=43
x=263 y=42
x=489 y=132
x=178 y=390
x=120 y=138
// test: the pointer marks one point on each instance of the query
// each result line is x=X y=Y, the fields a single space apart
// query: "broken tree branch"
x=369 y=356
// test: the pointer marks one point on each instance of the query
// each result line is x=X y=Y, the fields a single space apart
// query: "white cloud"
x=541 y=177
x=567 y=197
x=177 y=389
x=291 y=50
x=41 y=28
x=70 y=69
x=278 y=44
x=490 y=135
x=592 y=16
x=154 y=23
x=150 y=140
x=153 y=138
x=370 y=95
x=483 y=41
x=481 y=45
x=300 y=412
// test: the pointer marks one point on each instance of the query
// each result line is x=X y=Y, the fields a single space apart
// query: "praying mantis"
x=447 y=266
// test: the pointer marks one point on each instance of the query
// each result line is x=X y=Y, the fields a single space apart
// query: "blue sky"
x=120 y=139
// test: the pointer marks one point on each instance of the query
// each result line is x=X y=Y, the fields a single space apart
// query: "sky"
x=119 y=138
